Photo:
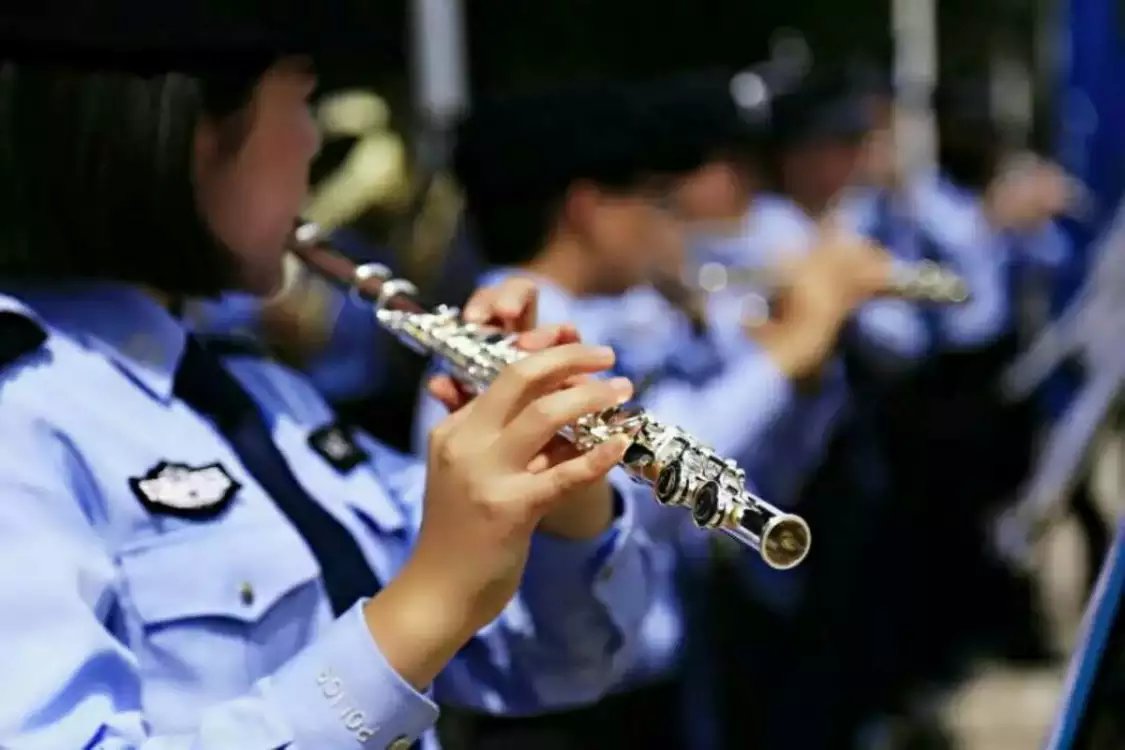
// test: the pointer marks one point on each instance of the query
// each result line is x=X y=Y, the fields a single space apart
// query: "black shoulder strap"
x=19 y=336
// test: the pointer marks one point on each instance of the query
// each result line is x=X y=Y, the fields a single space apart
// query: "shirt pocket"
x=213 y=610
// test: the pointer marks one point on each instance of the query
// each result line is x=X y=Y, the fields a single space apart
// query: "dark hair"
x=513 y=234
x=517 y=156
x=969 y=143
x=96 y=176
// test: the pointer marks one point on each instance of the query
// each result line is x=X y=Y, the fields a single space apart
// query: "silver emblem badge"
x=181 y=490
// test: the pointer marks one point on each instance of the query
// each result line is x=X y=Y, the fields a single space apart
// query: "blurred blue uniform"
x=1001 y=268
x=819 y=457
x=890 y=334
x=133 y=627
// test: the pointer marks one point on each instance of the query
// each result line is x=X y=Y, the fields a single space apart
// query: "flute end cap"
x=785 y=542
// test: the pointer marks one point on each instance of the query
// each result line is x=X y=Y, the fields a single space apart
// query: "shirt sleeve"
x=968 y=244
x=1046 y=249
x=79 y=686
x=891 y=334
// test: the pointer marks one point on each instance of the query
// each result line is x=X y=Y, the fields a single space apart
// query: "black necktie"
x=205 y=385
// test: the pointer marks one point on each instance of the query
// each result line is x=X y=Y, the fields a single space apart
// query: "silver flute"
x=681 y=470
x=922 y=281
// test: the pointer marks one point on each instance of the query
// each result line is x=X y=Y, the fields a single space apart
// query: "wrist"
x=418 y=625
x=797 y=352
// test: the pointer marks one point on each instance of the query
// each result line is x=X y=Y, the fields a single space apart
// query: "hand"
x=511 y=307
x=1029 y=194
x=492 y=477
x=824 y=287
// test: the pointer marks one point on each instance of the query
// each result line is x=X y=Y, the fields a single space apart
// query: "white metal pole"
x=440 y=75
x=915 y=74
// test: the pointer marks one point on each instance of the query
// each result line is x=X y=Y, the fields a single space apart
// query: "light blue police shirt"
x=121 y=628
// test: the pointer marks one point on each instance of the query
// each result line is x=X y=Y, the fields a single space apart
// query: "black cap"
x=189 y=36
x=531 y=146
x=825 y=106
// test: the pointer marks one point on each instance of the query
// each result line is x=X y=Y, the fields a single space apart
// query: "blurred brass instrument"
x=682 y=471
x=922 y=281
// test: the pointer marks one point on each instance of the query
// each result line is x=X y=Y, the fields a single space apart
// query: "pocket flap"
x=228 y=573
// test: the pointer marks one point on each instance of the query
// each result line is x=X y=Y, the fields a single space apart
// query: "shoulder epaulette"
x=19 y=336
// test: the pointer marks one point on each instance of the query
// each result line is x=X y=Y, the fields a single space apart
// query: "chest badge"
x=177 y=489
x=335 y=444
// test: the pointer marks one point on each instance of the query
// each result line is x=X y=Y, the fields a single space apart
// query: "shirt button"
x=399 y=744
x=246 y=594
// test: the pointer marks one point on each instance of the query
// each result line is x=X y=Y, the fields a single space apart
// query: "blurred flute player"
x=194 y=554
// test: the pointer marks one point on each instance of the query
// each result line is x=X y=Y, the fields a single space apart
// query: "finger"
x=534 y=427
x=512 y=305
x=516 y=305
x=548 y=336
x=449 y=392
x=558 y=450
x=539 y=373
x=592 y=466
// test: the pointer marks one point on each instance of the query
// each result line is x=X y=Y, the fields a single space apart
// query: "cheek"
x=712 y=194
x=639 y=234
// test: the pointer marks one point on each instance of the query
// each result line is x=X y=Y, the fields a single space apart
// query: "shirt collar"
x=127 y=325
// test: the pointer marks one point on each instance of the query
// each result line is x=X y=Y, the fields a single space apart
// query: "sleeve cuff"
x=341 y=692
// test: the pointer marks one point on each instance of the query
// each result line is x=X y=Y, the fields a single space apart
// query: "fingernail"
x=473 y=315
x=605 y=351
x=623 y=387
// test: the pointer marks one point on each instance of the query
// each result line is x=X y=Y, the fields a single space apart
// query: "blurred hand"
x=823 y=289
x=1027 y=196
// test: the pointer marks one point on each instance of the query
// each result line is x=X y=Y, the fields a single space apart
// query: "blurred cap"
x=825 y=106
x=697 y=114
x=188 y=36
x=534 y=145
